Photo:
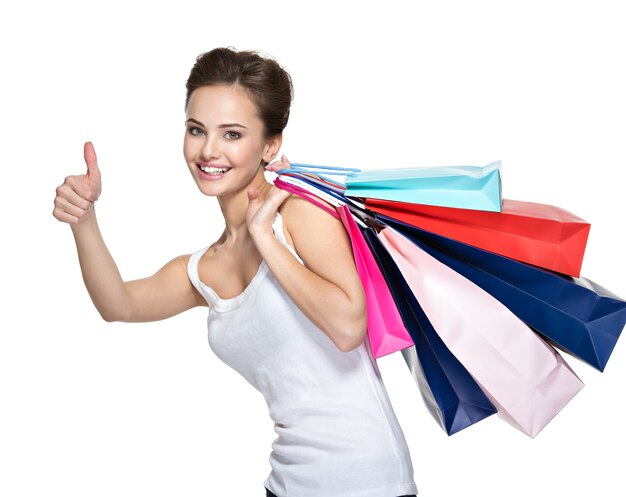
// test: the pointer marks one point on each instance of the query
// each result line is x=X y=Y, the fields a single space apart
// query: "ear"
x=272 y=146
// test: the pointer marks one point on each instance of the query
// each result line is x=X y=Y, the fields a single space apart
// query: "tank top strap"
x=192 y=269
x=280 y=234
x=192 y=265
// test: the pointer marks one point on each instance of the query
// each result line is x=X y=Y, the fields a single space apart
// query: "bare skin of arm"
x=327 y=288
x=166 y=293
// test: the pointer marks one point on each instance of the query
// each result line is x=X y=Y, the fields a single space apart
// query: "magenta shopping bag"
x=385 y=329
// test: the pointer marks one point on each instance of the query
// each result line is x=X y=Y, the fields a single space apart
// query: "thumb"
x=253 y=195
x=92 y=161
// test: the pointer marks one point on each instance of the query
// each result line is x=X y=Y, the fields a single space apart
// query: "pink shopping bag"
x=385 y=329
x=524 y=377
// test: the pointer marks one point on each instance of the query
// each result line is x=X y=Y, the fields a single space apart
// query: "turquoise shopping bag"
x=464 y=187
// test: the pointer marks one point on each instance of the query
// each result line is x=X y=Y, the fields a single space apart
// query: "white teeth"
x=214 y=170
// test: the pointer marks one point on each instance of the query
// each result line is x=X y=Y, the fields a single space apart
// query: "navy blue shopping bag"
x=575 y=314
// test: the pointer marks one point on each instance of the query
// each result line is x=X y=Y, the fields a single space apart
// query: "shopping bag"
x=385 y=330
x=538 y=234
x=450 y=393
x=466 y=187
x=523 y=376
x=576 y=314
x=448 y=390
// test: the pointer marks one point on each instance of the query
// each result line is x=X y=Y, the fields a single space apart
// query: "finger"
x=63 y=216
x=253 y=195
x=91 y=160
x=283 y=163
x=66 y=206
x=270 y=203
x=76 y=192
x=274 y=166
x=86 y=189
x=277 y=196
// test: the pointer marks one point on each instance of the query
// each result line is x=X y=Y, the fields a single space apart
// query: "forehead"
x=221 y=102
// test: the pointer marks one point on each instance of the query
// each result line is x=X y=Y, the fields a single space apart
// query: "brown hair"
x=268 y=85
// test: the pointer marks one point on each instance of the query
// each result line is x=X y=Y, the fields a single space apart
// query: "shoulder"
x=297 y=210
x=180 y=263
x=177 y=271
x=305 y=222
x=321 y=241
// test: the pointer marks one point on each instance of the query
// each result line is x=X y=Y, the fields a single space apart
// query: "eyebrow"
x=225 y=125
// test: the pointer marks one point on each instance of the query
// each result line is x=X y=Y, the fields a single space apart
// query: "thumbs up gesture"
x=76 y=196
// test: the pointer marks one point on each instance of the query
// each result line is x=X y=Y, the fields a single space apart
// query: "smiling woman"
x=286 y=305
x=224 y=139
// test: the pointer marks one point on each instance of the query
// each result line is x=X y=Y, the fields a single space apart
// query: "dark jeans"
x=270 y=494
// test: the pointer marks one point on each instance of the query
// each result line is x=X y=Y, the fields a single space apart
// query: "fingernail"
x=284 y=157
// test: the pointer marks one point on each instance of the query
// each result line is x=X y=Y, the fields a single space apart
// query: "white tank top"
x=338 y=435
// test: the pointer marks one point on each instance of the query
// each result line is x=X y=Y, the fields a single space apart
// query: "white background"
x=90 y=408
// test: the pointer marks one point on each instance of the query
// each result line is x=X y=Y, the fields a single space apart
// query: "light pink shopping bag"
x=524 y=377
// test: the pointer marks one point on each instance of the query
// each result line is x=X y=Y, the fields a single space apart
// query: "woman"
x=286 y=306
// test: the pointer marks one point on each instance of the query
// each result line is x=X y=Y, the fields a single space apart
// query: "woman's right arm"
x=166 y=293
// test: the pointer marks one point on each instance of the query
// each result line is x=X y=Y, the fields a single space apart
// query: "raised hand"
x=76 y=196
x=283 y=163
x=260 y=215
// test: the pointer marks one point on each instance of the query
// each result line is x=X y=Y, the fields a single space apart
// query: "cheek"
x=188 y=149
x=244 y=153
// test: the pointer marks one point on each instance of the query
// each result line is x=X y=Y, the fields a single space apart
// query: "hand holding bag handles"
x=386 y=331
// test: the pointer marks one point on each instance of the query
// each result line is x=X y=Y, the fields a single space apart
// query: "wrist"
x=263 y=239
x=86 y=221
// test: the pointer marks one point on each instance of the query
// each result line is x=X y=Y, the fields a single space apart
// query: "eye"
x=230 y=134
x=193 y=130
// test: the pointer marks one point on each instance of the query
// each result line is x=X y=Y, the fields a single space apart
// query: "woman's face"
x=224 y=142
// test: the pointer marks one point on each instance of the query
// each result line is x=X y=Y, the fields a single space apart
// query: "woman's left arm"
x=327 y=288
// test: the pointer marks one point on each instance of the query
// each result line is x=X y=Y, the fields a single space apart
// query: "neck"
x=235 y=206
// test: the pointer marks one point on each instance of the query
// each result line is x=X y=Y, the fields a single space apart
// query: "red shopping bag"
x=537 y=234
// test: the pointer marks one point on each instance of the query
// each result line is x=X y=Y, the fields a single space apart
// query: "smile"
x=214 y=171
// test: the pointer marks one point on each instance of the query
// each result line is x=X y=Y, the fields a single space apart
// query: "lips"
x=212 y=169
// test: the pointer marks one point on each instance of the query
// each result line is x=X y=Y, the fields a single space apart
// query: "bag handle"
x=335 y=170
x=301 y=180
x=319 y=172
x=325 y=183
x=329 y=195
x=301 y=192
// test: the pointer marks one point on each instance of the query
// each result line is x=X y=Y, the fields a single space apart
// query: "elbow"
x=352 y=329
x=114 y=315
x=120 y=310
x=350 y=343
x=108 y=317
x=353 y=339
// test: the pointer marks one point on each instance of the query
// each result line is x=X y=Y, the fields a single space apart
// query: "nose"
x=210 y=149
